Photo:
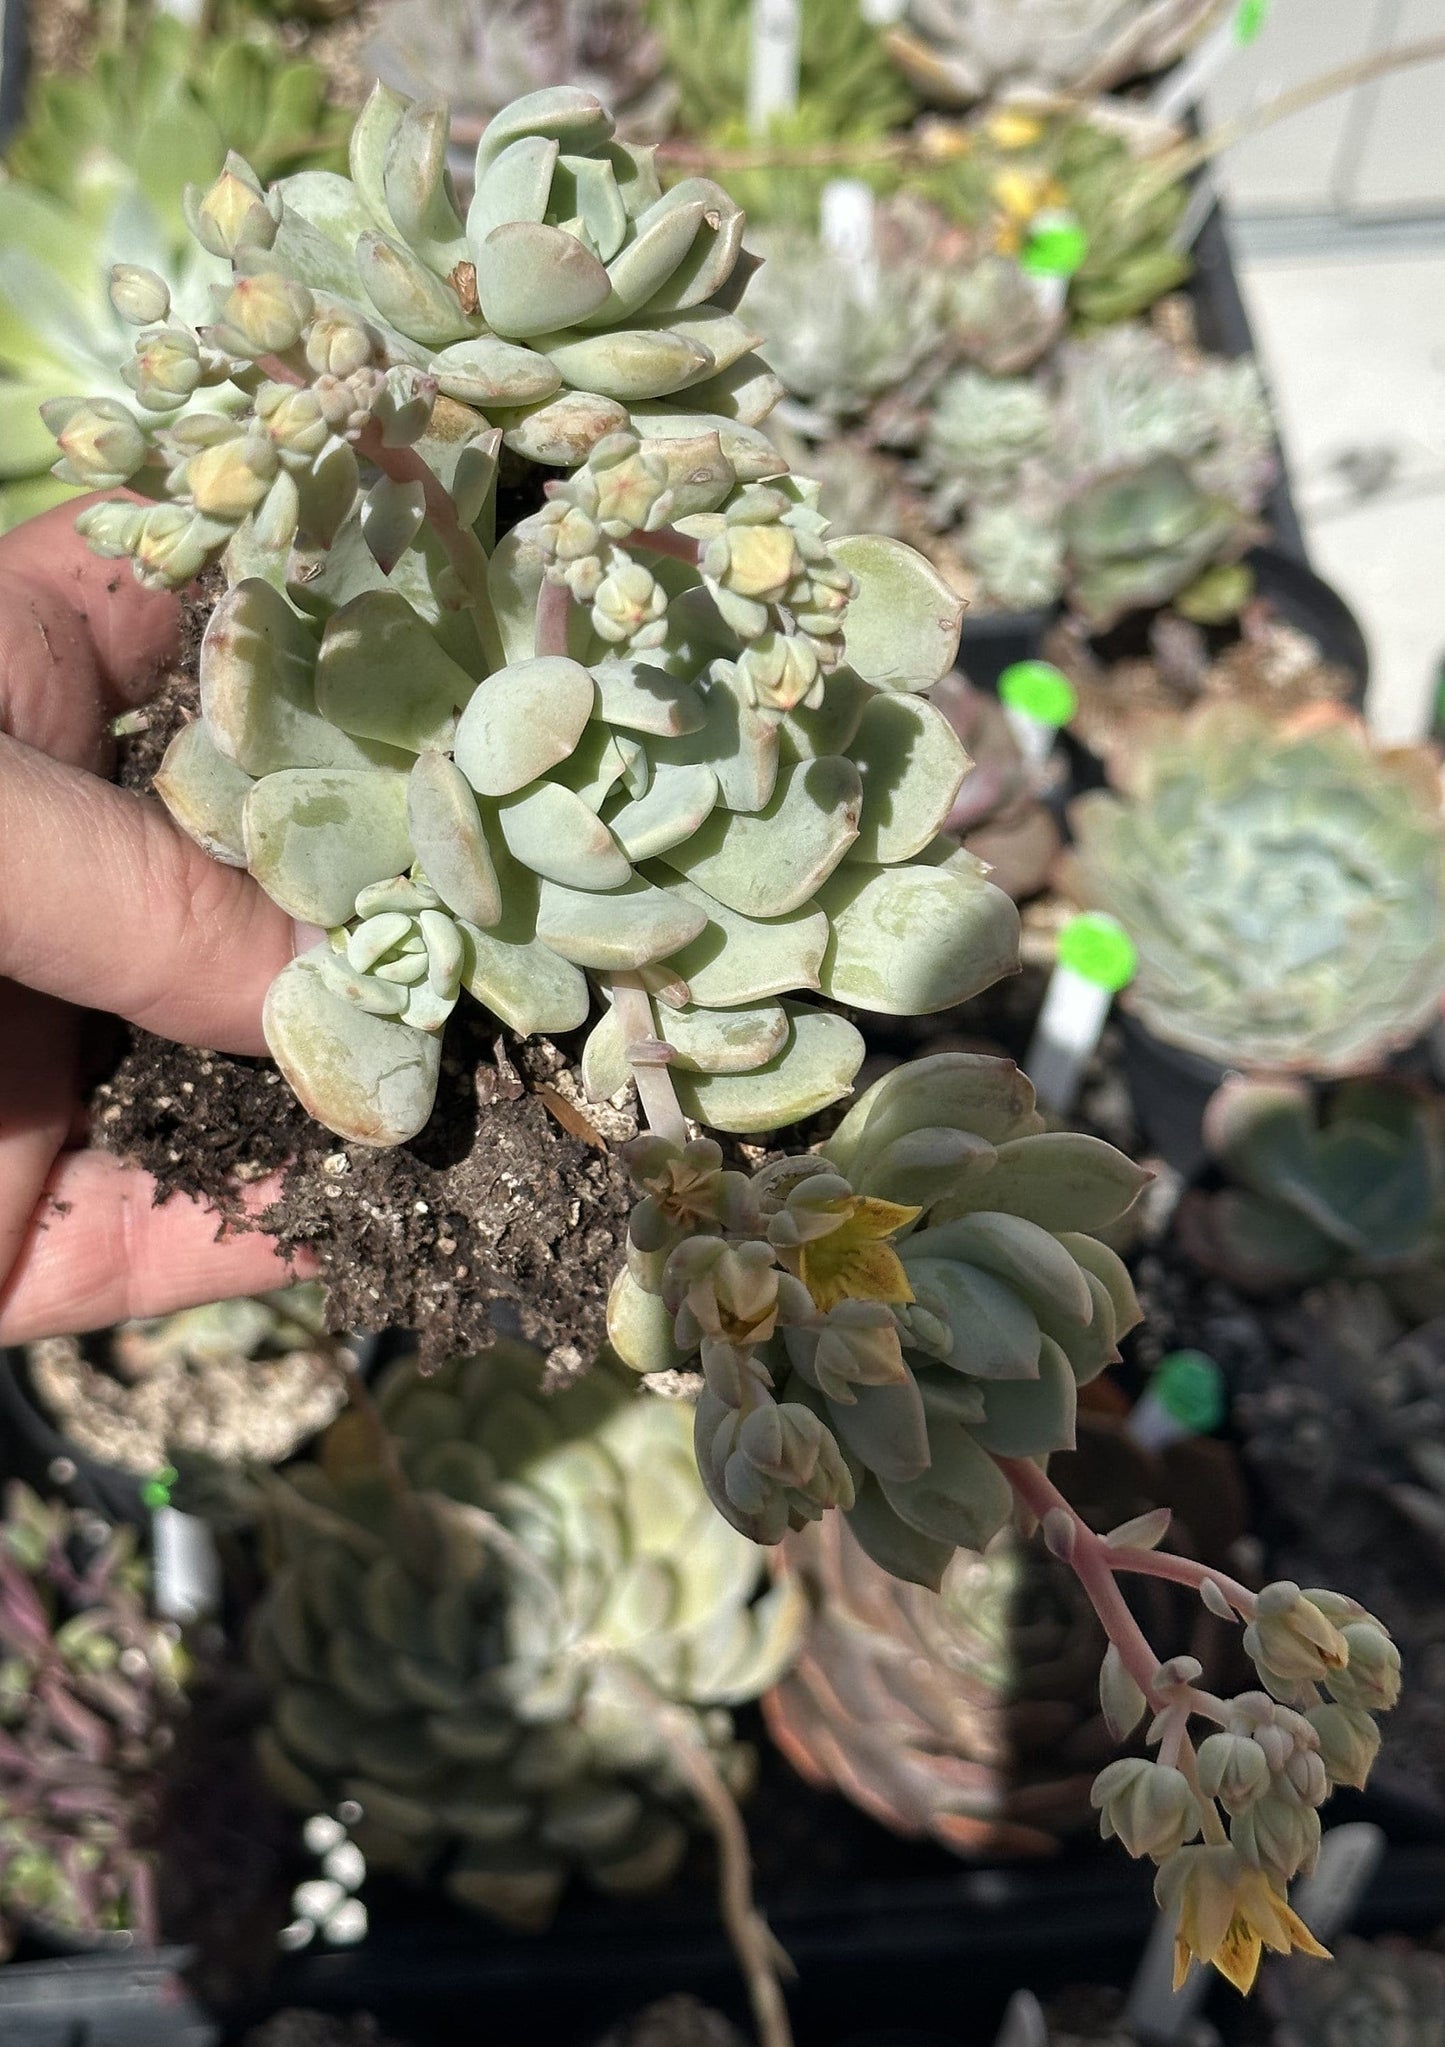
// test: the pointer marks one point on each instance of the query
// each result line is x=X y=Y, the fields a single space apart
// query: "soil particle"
x=513 y=1198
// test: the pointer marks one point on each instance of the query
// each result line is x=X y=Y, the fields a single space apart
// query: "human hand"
x=104 y=905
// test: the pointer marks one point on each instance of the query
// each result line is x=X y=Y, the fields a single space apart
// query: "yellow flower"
x=1011 y=128
x=1228 y=1915
x=855 y=1262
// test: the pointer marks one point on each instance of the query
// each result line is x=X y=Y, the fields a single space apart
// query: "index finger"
x=80 y=640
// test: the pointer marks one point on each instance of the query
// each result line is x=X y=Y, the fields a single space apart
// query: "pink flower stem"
x=655 y=1092
x=666 y=540
x=1151 y=1563
x=554 y=612
x=466 y=556
x=1092 y=1562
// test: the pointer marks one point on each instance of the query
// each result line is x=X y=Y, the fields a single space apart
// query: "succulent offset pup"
x=657 y=736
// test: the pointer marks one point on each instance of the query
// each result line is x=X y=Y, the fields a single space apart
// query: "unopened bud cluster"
x=295 y=381
x=790 y=1252
x=762 y=556
x=1252 y=1794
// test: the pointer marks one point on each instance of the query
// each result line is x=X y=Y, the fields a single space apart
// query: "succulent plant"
x=661 y=727
x=852 y=1359
x=235 y=1380
x=476 y=1644
x=97 y=170
x=1283 y=887
x=841 y=335
x=972 y=1714
x=1381 y=1992
x=481 y=57
x=841 y=62
x=88 y=1682
x=957 y=51
x=1351 y=1188
x=1118 y=481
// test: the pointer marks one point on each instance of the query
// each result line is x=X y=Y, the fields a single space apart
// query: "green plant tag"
x=1039 y=691
x=1190 y=1387
x=1056 y=246
x=1249 y=19
x=1098 y=949
x=156 y=1492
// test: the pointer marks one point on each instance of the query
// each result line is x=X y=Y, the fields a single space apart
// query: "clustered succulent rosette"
x=88 y=1685
x=660 y=731
x=1284 y=887
x=1120 y=479
x=957 y=51
x=475 y=1644
x=1353 y=1186
x=1383 y=1992
x=880 y=1319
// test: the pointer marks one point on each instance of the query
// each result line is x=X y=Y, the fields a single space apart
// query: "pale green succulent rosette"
x=879 y=1320
x=955 y=52
x=1284 y=888
x=477 y=1657
x=661 y=738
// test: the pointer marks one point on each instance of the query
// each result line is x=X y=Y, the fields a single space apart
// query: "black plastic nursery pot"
x=35 y=1451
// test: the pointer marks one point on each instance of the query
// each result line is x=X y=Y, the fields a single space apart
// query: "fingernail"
x=305 y=937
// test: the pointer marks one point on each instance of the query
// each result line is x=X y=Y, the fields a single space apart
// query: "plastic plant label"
x=773 y=62
x=1330 y=1896
x=846 y=218
x=1038 y=698
x=1024 y=2024
x=1095 y=960
x=1055 y=246
x=185 y=1564
x=1185 y=1397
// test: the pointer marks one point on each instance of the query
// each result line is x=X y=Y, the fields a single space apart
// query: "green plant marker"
x=1191 y=1386
x=1249 y=19
x=1039 y=698
x=1038 y=690
x=1095 y=959
x=1185 y=1397
x=156 y=1492
x=1056 y=246
x=1098 y=949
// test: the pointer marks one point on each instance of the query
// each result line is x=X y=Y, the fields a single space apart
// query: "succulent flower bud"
x=101 y=443
x=1290 y=1638
x=722 y=1291
x=338 y=344
x=112 y=528
x=630 y=604
x=629 y=486
x=172 y=547
x=230 y=479
x=165 y=369
x=294 y=419
x=682 y=1185
x=234 y=213
x=265 y=314
x=1371 y=1677
x=1349 y=1743
x=1150 y=1806
x=139 y=295
x=1233 y=1769
x=857 y=1345
x=779 y=671
x=1277 y=1833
